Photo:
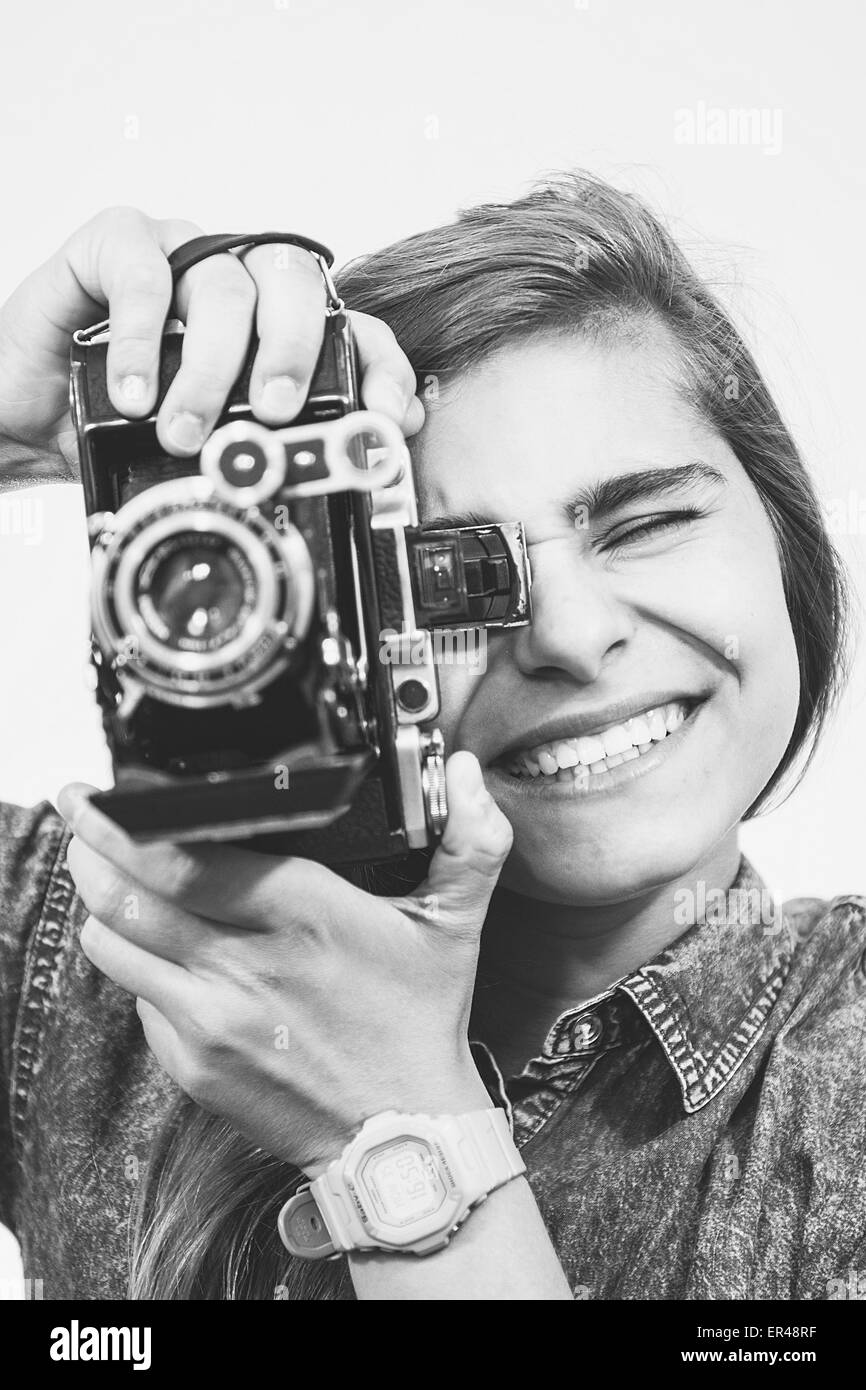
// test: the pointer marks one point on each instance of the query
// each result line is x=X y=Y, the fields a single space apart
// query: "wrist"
x=457 y=1094
x=404 y=1185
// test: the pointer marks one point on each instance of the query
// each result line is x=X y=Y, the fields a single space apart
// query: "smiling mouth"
x=580 y=759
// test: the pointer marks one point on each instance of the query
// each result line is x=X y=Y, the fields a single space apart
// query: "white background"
x=361 y=123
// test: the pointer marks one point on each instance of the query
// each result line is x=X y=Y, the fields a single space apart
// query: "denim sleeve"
x=31 y=840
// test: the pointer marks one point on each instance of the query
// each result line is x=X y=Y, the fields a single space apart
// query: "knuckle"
x=203 y=1026
x=148 y=282
x=498 y=843
x=224 y=276
x=205 y=383
x=205 y=1034
x=180 y=876
x=309 y=932
x=282 y=257
x=122 y=215
x=195 y=1079
x=133 y=344
x=288 y=350
x=102 y=893
x=177 y=230
x=240 y=290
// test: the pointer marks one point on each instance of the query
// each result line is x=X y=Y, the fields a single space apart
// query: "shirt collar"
x=706 y=997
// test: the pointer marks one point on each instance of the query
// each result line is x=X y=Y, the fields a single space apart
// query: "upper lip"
x=590 y=721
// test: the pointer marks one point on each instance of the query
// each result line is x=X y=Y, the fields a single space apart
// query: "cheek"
x=731 y=600
x=762 y=649
x=457 y=685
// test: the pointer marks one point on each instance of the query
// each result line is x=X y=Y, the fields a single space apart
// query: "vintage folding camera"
x=239 y=601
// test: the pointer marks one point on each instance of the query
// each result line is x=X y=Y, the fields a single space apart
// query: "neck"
x=539 y=959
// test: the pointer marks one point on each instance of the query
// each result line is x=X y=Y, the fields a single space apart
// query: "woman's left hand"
x=282 y=997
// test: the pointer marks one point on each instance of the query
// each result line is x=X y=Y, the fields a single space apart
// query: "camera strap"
x=184 y=257
x=187 y=255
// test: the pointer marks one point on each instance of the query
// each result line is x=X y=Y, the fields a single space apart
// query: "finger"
x=290 y=322
x=217 y=301
x=388 y=381
x=221 y=882
x=468 y=861
x=118 y=260
x=160 y=1036
x=414 y=418
x=135 y=912
x=162 y=983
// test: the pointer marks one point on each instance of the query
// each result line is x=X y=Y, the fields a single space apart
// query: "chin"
x=625 y=863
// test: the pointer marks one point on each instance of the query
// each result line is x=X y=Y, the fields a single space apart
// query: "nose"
x=578 y=623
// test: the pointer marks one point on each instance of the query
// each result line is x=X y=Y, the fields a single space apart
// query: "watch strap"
x=320 y=1220
x=486 y=1146
x=302 y=1229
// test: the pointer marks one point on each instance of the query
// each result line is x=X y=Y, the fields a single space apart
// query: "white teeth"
x=674 y=717
x=590 y=749
x=615 y=740
x=566 y=755
x=656 y=720
x=638 y=729
x=599 y=752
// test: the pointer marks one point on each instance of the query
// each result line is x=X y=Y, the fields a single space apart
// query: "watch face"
x=402 y=1182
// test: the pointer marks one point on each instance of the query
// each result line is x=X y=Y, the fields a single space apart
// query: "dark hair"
x=573 y=255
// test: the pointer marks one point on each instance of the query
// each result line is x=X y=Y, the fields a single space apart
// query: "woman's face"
x=630 y=726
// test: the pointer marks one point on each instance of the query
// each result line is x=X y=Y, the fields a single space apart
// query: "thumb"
x=473 y=849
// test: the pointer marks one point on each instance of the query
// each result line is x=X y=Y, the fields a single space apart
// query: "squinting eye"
x=651 y=525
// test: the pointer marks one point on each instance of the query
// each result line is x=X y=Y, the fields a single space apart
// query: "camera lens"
x=195 y=591
x=213 y=598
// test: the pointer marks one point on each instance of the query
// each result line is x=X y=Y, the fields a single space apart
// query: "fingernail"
x=186 y=431
x=133 y=389
x=282 y=396
x=70 y=803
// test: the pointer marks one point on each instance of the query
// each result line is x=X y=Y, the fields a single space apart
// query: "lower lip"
x=599 y=783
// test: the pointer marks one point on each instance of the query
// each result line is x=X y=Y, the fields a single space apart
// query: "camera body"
x=239 y=602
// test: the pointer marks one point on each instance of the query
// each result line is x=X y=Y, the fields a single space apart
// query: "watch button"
x=302 y=1229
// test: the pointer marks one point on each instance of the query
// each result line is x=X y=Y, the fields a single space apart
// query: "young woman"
x=682 y=1065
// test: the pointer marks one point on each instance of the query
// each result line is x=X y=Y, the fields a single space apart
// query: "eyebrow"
x=607 y=495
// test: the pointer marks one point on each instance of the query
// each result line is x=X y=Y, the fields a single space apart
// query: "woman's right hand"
x=116 y=266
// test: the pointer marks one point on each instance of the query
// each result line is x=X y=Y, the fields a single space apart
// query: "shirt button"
x=586 y=1030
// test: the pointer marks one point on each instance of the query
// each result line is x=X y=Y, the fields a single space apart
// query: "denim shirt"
x=696 y=1131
